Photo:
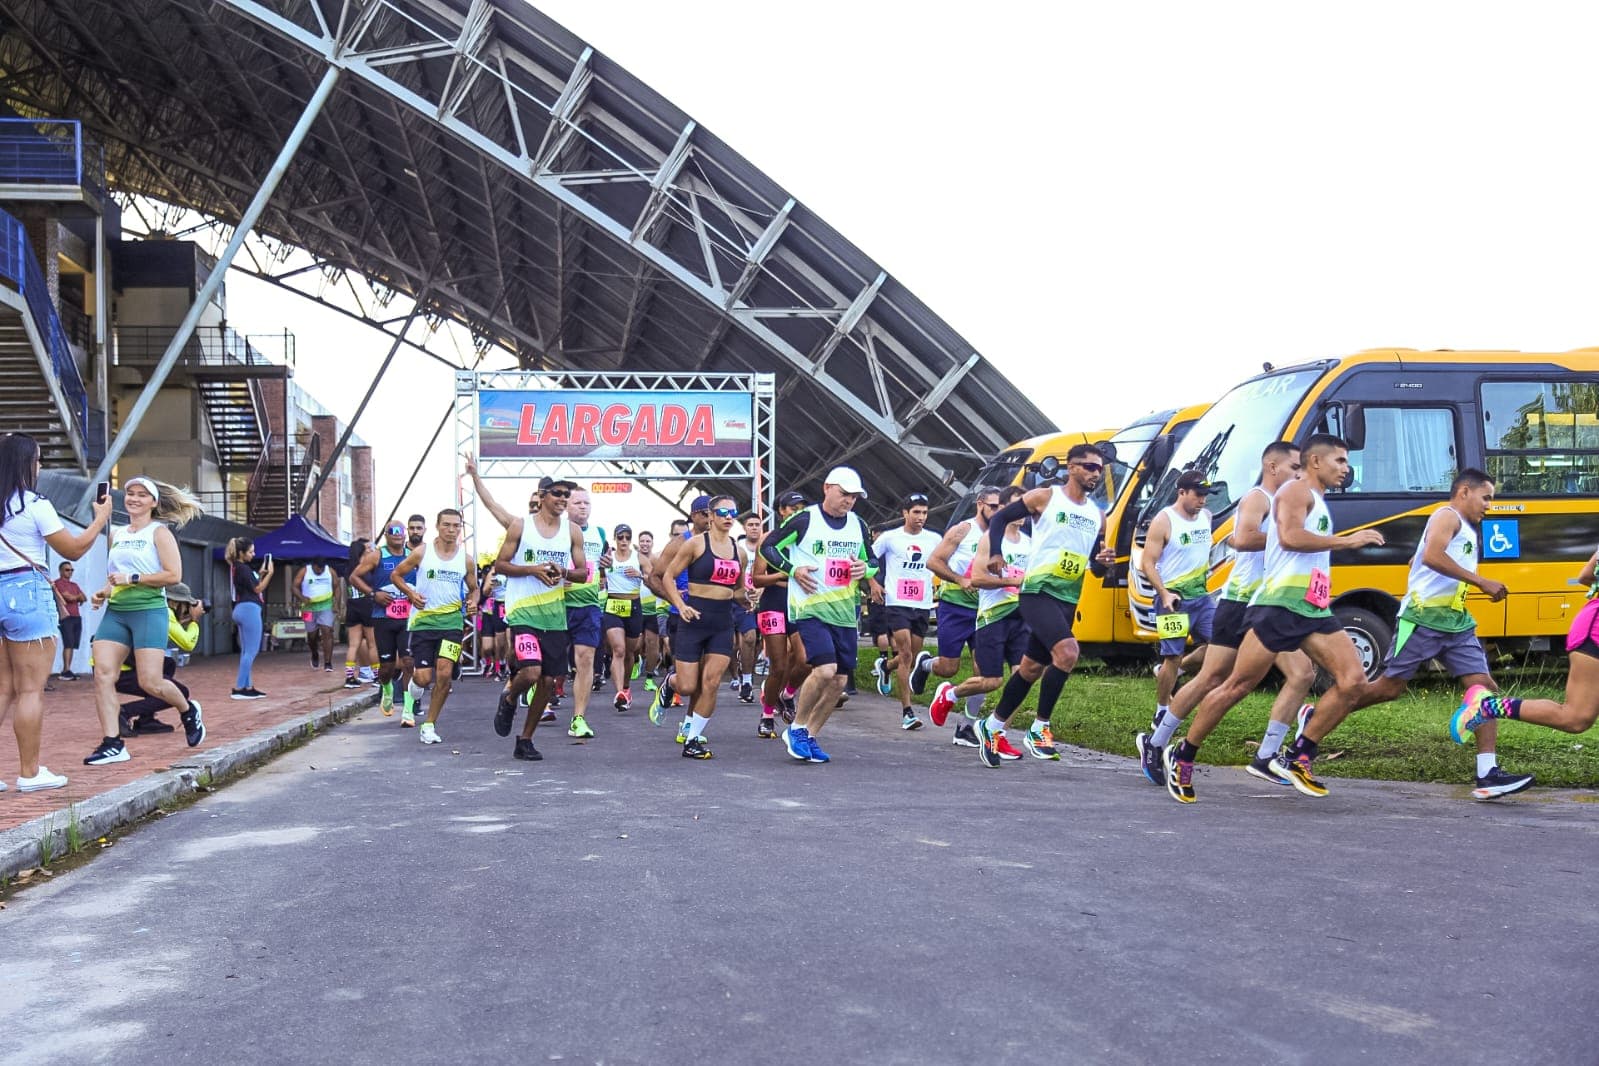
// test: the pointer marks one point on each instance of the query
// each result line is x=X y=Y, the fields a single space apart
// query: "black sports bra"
x=712 y=569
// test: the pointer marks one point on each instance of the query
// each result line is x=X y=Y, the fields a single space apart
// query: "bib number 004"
x=835 y=573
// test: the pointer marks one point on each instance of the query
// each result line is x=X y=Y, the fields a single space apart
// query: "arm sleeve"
x=1011 y=512
x=185 y=637
x=774 y=549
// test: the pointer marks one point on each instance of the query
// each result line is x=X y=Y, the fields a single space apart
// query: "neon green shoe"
x=407 y=719
x=579 y=728
x=386 y=699
x=638 y=668
x=655 y=706
x=682 y=731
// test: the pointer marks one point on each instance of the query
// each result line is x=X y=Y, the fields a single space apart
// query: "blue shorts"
x=826 y=644
x=1201 y=611
x=28 y=607
x=957 y=629
x=1001 y=644
x=744 y=620
x=146 y=628
x=583 y=626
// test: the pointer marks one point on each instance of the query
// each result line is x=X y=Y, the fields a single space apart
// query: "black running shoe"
x=525 y=750
x=1262 y=768
x=143 y=726
x=746 y=693
x=351 y=681
x=504 y=713
x=1151 y=759
x=696 y=748
x=786 y=708
x=966 y=736
x=193 y=724
x=1496 y=783
x=921 y=672
x=125 y=724
x=767 y=730
x=111 y=750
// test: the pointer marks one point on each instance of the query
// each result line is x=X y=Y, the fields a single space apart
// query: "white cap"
x=847 y=479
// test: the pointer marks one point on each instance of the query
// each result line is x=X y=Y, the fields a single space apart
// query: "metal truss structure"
x=476 y=157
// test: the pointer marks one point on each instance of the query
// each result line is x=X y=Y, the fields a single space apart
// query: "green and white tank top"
x=1063 y=540
x=134 y=552
x=1248 y=566
x=1432 y=599
x=960 y=561
x=529 y=601
x=995 y=604
x=586 y=593
x=830 y=551
x=440 y=581
x=1296 y=580
x=317 y=589
x=1185 y=561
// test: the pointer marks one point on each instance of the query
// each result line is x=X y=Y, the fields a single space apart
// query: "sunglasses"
x=559 y=494
x=396 y=531
x=915 y=498
x=1092 y=468
x=725 y=512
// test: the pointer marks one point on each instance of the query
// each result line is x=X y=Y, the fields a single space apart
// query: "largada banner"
x=613 y=424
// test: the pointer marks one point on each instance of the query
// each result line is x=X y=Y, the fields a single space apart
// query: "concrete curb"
x=24 y=847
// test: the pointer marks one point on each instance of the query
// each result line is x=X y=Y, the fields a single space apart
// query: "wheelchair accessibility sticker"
x=1501 y=538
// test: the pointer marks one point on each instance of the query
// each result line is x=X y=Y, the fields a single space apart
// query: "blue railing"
x=50 y=152
x=19 y=267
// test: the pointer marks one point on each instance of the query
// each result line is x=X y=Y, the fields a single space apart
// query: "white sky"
x=1125 y=206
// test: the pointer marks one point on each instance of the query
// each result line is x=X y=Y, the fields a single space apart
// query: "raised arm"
x=501 y=515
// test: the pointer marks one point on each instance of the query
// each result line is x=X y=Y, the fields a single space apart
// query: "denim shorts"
x=27 y=606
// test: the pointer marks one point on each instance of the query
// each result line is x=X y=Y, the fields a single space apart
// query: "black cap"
x=1194 y=481
x=548 y=483
x=623 y=528
x=791 y=499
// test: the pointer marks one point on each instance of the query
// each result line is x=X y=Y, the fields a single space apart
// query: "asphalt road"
x=366 y=898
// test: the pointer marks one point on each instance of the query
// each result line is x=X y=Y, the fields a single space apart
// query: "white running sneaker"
x=39 y=782
x=428 y=735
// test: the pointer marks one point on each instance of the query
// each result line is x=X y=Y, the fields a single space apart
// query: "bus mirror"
x=1048 y=467
x=1106 y=450
x=1355 y=426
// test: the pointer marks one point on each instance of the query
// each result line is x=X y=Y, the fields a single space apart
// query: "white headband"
x=149 y=485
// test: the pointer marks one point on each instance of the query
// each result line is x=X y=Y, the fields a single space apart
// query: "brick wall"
x=364 y=478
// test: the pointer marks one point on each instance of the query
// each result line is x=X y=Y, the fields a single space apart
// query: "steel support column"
x=349 y=430
x=247 y=222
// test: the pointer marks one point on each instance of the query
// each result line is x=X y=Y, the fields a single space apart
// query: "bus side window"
x=1407 y=450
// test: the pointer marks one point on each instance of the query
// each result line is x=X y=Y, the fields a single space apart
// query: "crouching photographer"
x=183 y=633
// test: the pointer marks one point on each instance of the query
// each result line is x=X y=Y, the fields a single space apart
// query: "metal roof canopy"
x=480 y=159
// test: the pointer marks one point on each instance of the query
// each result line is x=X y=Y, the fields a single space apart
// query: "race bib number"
x=835 y=574
x=1014 y=574
x=1319 y=594
x=910 y=589
x=1072 y=566
x=771 y=622
x=527 y=648
x=620 y=608
x=449 y=649
x=399 y=609
x=725 y=572
x=1172 y=626
x=1459 y=602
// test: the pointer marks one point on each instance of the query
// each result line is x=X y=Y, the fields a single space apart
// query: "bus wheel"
x=1372 y=635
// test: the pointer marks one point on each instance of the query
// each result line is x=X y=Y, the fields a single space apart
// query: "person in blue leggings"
x=248 y=585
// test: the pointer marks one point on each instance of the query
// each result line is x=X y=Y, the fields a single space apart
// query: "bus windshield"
x=1226 y=443
x=1131 y=444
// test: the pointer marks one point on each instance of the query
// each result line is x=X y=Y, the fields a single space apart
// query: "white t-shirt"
x=906 y=580
x=27 y=530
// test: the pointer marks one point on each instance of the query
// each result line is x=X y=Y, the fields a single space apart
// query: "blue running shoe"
x=814 y=750
x=797 y=739
x=885 y=680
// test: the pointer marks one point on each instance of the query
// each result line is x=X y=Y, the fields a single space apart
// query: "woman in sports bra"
x=714 y=562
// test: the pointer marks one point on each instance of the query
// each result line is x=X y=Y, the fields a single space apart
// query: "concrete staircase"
x=26 y=405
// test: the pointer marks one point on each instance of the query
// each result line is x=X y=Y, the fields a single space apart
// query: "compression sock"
x=1049 y=687
x=1011 y=696
x=1501 y=707
x=1272 y=742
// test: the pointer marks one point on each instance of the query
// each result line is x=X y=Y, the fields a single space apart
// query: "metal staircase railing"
x=20 y=269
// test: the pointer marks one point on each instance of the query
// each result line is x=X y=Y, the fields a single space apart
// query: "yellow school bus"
x=1413 y=420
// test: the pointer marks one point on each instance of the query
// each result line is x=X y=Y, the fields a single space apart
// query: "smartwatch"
x=133 y=579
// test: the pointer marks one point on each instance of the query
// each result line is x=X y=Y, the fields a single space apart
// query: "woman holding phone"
x=142 y=563
x=27 y=606
x=247 y=607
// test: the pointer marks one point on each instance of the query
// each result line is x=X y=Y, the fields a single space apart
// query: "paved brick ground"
x=71 y=730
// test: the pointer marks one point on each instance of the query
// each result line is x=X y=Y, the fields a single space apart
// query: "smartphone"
x=269 y=558
x=102 y=490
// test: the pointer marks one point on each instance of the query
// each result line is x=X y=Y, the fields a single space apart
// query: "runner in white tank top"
x=438 y=613
x=1176 y=561
x=1298 y=545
